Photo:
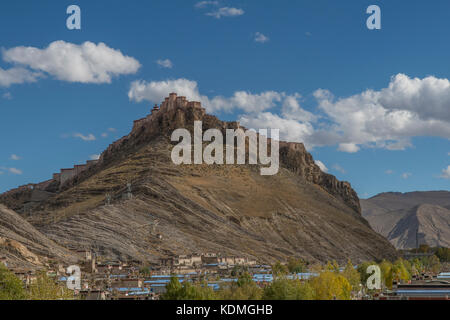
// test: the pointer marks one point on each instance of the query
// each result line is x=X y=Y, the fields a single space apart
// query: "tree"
x=287 y=289
x=443 y=254
x=279 y=269
x=362 y=270
x=145 y=271
x=296 y=265
x=386 y=273
x=243 y=289
x=11 y=287
x=433 y=264
x=187 y=291
x=352 y=276
x=45 y=288
x=332 y=266
x=331 y=286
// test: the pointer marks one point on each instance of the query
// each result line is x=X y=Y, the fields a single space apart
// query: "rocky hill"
x=155 y=208
x=410 y=218
x=22 y=246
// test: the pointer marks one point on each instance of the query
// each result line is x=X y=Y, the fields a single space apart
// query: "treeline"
x=331 y=283
x=43 y=288
x=442 y=253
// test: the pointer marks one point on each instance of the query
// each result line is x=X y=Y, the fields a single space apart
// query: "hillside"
x=173 y=209
x=404 y=217
x=22 y=246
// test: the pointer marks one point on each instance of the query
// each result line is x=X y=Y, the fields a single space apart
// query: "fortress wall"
x=66 y=174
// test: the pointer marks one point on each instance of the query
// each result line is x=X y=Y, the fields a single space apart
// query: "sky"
x=372 y=106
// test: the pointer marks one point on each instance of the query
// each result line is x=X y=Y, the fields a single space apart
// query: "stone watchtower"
x=155 y=109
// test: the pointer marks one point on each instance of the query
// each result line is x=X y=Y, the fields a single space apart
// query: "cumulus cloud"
x=388 y=118
x=290 y=130
x=321 y=165
x=89 y=137
x=165 y=63
x=389 y=171
x=348 y=147
x=85 y=63
x=156 y=91
x=225 y=12
x=261 y=38
x=445 y=173
x=17 y=75
x=15 y=157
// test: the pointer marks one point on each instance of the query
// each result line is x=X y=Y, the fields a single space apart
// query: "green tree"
x=362 y=270
x=243 y=289
x=187 y=291
x=279 y=269
x=296 y=265
x=45 y=288
x=288 y=289
x=11 y=287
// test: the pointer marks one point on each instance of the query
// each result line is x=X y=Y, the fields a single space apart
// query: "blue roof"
x=129 y=289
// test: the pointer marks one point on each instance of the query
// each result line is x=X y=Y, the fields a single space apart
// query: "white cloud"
x=156 y=91
x=165 y=63
x=348 y=147
x=225 y=12
x=290 y=130
x=445 y=173
x=203 y=4
x=17 y=75
x=12 y=170
x=85 y=63
x=261 y=38
x=388 y=118
x=321 y=165
x=94 y=156
x=389 y=171
x=339 y=169
x=371 y=119
x=406 y=175
x=15 y=157
x=89 y=137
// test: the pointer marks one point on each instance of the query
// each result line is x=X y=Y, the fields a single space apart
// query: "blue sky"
x=381 y=119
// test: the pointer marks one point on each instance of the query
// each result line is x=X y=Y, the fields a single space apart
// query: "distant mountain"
x=169 y=209
x=408 y=218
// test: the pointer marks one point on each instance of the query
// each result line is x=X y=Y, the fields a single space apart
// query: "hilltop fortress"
x=177 y=112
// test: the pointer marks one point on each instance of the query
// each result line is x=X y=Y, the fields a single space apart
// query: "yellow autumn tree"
x=331 y=286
